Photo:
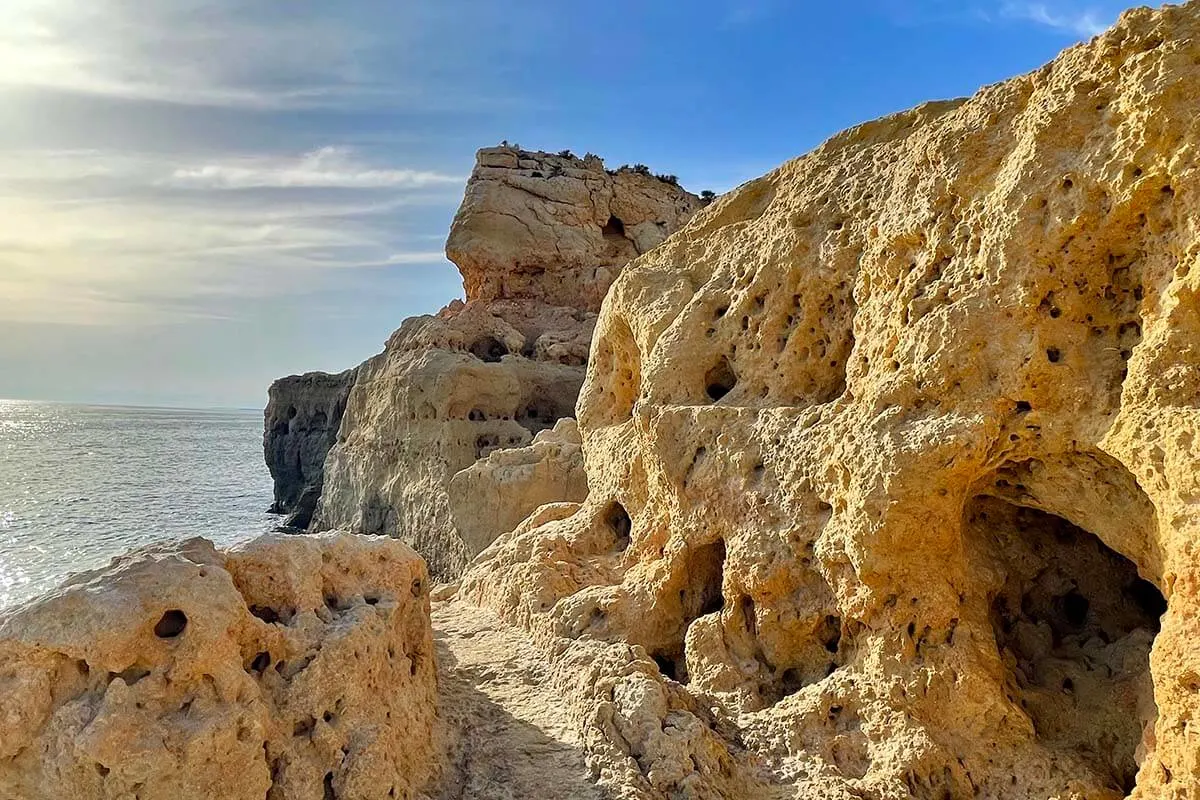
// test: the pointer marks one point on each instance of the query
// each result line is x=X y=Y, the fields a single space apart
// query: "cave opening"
x=1074 y=623
x=542 y=414
x=702 y=593
x=489 y=349
x=613 y=228
x=618 y=521
x=720 y=380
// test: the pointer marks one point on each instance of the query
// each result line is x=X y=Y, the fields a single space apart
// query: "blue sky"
x=201 y=195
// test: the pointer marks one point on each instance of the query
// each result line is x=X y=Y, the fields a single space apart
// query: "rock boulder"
x=289 y=668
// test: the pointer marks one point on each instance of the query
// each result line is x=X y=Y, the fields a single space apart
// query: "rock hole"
x=749 y=618
x=304 y=727
x=613 y=228
x=1024 y=407
x=265 y=613
x=791 y=681
x=485 y=444
x=720 y=380
x=489 y=349
x=171 y=625
x=705 y=573
x=1075 y=609
x=618 y=521
x=261 y=662
x=1053 y=355
x=1074 y=622
x=830 y=634
x=666 y=665
x=330 y=794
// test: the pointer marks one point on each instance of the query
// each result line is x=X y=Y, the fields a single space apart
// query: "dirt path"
x=507 y=738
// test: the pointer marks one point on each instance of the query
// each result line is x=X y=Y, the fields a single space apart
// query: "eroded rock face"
x=289 y=668
x=891 y=457
x=556 y=228
x=537 y=249
x=493 y=495
x=300 y=425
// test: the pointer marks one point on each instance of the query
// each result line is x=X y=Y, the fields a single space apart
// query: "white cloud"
x=114 y=238
x=1076 y=21
x=210 y=53
x=328 y=167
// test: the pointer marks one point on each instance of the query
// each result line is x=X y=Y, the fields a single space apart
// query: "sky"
x=199 y=196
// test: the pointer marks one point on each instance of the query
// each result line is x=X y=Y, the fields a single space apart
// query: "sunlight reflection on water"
x=82 y=484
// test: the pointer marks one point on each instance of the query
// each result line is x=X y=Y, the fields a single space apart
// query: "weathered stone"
x=493 y=495
x=300 y=425
x=446 y=392
x=891 y=457
x=537 y=247
x=289 y=668
x=557 y=229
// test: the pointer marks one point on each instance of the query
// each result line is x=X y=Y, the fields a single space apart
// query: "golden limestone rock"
x=538 y=239
x=288 y=668
x=891 y=457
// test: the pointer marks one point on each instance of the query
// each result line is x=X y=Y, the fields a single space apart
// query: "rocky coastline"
x=872 y=479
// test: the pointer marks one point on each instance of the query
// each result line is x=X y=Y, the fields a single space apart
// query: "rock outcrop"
x=891 y=457
x=558 y=229
x=539 y=238
x=493 y=495
x=300 y=425
x=290 y=668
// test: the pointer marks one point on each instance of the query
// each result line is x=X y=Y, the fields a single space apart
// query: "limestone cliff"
x=538 y=239
x=891 y=457
x=497 y=492
x=300 y=425
x=289 y=668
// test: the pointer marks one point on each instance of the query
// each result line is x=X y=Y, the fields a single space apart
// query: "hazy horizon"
x=201 y=197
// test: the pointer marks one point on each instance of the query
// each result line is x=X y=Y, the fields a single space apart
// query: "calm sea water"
x=81 y=484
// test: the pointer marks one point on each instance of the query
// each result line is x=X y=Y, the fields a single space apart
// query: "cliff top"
x=556 y=227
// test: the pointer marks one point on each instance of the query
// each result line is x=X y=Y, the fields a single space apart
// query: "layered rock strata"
x=538 y=239
x=289 y=668
x=891 y=457
x=301 y=422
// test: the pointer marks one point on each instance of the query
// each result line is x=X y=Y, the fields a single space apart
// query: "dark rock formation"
x=300 y=425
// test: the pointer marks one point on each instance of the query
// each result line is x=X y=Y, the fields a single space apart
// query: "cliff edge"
x=300 y=424
x=539 y=238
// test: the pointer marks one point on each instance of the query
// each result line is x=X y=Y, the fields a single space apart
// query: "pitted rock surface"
x=288 y=668
x=891 y=457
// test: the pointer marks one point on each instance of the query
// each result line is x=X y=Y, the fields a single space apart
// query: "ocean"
x=81 y=484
